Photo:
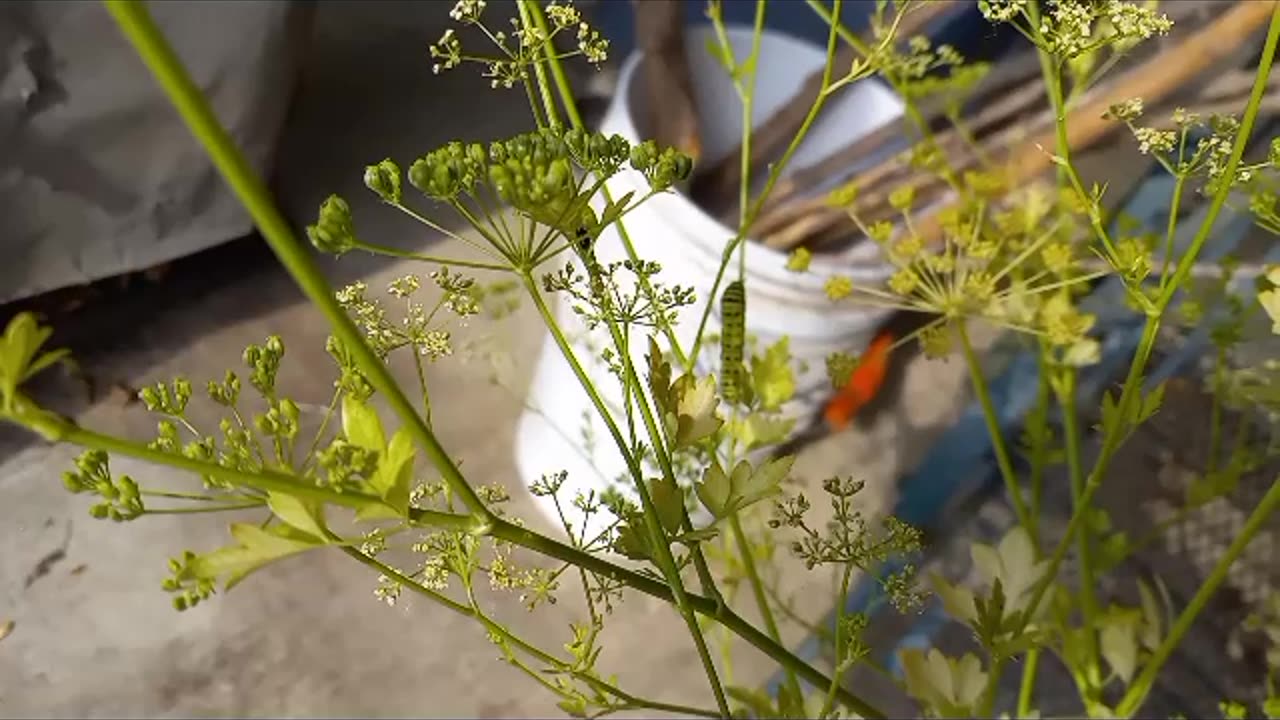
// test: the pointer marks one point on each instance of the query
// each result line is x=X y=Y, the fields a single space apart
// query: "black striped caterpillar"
x=733 y=308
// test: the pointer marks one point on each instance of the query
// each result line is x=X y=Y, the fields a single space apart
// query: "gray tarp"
x=98 y=175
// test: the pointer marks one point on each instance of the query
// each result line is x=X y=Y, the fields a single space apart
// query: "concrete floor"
x=94 y=635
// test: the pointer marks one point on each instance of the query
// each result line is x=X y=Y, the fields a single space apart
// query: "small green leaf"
x=395 y=472
x=20 y=357
x=968 y=680
x=1271 y=708
x=715 y=490
x=256 y=548
x=764 y=481
x=696 y=408
x=790 y=703
x=756 y=430
x=772 y=376
x=1082 y=353
x=721 y=54
x=957 y=600
x=1270 y=301
x=659 y=376
x=378 y=511
x=1151 y=403
x=307 y=517
x=697 y=535
x=361 y=426
x=614 y=209
x=1110 y=413
x=1119 y=644
x=633 y=542
x=668 y=501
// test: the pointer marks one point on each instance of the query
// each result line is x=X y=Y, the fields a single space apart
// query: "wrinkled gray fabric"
x=98 y=175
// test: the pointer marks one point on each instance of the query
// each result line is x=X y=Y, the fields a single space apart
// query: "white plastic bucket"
x=688 y=243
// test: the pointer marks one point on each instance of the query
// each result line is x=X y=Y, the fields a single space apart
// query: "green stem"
x=1137 y=693
x=203 y=509
x=661 y=544
x=1170 y=232
x=1088 y=581
x=264 y=480
x=757 y=589
x=544 y=90
x=452 y=262
x=994 y=673
x=747 y=95
x=992 y=419
x=137 y=25
x=1026 y=692
x=1057 y=102
x=846 y=576
x=1110 y=443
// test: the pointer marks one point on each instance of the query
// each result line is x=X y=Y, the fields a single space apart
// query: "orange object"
x=864 y=383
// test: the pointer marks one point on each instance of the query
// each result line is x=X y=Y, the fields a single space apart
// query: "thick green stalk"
x=136 y=23
x=1026 y=692
x=1137 y=693
x=992 y=419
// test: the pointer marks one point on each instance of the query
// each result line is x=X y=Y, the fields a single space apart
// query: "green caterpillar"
x=733 y=312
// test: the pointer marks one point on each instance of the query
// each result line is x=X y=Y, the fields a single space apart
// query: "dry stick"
x=787 y=211
x=1154 y=79
x=999 y=104
x=673 y=111
x=814 y=221
x=832 y=228
x=716 y=188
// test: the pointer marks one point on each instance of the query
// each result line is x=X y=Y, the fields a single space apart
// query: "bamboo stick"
x=673 y=109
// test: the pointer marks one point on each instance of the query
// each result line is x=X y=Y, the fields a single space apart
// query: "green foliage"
x=1008 y=252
